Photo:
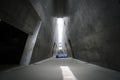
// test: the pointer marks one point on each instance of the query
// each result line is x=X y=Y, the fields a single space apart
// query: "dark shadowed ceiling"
x=60 y=8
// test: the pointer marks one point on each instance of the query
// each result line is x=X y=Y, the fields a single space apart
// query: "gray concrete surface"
x=43 y=45
x=50 y=70
x=94 y=31
x=44 y=42
x=24 y=15
x=30 y=43
x=20 y=14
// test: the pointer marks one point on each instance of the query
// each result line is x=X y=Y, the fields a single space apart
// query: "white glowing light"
x=67 y=73
x=60 y=48
x=60 y=25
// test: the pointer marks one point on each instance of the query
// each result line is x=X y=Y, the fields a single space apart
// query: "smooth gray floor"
x=50 y=70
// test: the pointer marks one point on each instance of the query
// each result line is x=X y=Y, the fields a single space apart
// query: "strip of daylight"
x=60 y=25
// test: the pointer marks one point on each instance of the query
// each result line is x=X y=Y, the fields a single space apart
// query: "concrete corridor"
x=34 y=32
x=57 y=69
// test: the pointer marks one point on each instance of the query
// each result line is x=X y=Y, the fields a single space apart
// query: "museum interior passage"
x=60 y=40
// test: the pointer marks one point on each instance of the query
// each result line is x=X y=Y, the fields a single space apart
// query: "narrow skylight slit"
x=60 y=25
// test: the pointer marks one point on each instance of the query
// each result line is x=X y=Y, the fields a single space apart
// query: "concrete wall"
x=42 y=49
x=24 y=15
x=95 y=31
x=44 y=43
x=20 y=14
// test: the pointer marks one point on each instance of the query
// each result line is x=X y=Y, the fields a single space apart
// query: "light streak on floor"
x=67 y=73
x=60 y=69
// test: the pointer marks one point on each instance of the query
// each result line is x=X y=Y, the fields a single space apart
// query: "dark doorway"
x=12 y=42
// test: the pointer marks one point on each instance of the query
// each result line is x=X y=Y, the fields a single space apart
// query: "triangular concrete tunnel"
x=60 y=40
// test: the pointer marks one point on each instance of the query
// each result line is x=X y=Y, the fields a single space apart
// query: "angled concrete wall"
x=25 y=15
x=19 y=13
x=44 y=43
x=42 y=49
x=95 y=31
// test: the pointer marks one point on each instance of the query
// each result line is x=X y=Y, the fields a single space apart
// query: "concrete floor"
x=7 y=67
x=50 y=69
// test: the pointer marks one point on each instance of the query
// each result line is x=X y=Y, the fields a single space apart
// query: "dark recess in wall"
x=12 y=42
x=69 y=41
